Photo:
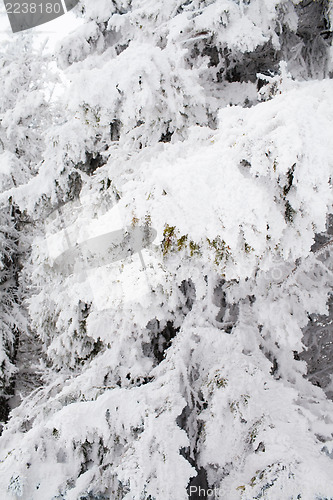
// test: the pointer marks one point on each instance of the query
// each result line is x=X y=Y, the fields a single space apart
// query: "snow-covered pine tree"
x=23 y=111
x=199 y=119
x=9 y=308
x=24 y=94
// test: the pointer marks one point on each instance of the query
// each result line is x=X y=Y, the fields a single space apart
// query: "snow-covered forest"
x=166 y=231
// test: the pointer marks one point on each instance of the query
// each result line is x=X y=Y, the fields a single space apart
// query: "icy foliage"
x=180 y=366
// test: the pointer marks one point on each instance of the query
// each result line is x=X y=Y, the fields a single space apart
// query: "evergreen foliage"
x=185 y=365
